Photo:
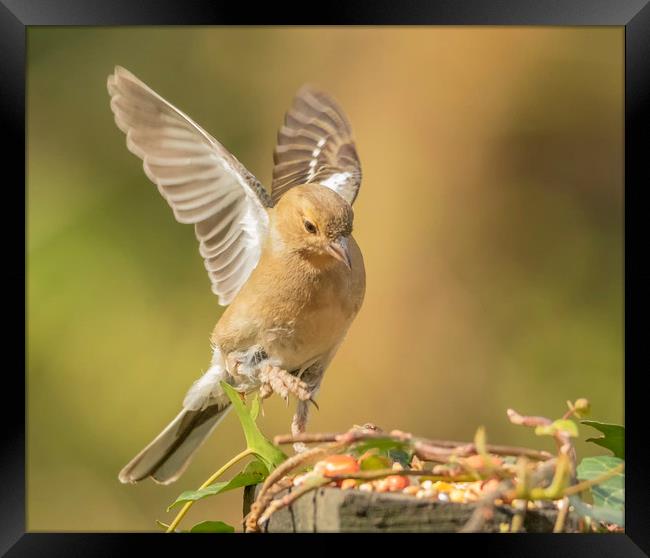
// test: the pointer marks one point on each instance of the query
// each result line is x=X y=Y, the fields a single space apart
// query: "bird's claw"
x=276 y=380
x=265 y=391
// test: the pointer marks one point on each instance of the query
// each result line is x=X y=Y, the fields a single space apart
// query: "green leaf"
x=383 y=445
x=610 y=493
x=374 y=462
x=212 y=527
x=254 y=473
x=401 y=456
x=599 y=513
x=613 y=439
x=255 y=440
x=560 y=425
x=255 y=408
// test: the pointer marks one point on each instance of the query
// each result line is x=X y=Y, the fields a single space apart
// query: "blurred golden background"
x=490 y=217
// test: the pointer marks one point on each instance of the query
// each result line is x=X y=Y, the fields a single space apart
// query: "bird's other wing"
x=203 y=183
x=315 y=145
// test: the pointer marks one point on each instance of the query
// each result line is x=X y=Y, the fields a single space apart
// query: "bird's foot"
x=265 y=391
x=276 y=380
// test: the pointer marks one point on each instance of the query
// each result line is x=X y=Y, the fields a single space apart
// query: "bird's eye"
x=310 y=227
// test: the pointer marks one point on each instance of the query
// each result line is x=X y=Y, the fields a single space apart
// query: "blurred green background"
x=490 y=217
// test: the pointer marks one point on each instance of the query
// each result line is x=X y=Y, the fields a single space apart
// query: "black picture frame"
x=17 y=15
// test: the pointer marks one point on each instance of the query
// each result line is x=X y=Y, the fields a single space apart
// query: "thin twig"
x=429 y=450
x=562 y=439
x=520 y=514
x=523 y=420
x=485 y=507
x=279 y=486
x=561 y=515
x=288 y=499
x=265 y=495
x=381 y=473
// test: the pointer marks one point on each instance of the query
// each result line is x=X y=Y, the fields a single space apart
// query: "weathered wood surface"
x=333 y=510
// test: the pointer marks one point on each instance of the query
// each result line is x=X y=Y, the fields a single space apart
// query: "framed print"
x=406 y=300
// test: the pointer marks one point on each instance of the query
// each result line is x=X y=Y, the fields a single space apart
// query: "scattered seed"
x=381 y=485
x=457 y=496
x=442 y=486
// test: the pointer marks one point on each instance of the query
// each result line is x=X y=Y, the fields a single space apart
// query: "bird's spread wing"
x=315 y=145
x=203 y=183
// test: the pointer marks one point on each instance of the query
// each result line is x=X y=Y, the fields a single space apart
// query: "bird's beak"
x=339 y=249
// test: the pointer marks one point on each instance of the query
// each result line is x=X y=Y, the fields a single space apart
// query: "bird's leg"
x=313 y=376
x=299 y=424
x=283 y=383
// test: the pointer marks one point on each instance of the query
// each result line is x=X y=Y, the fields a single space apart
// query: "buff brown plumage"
x=284 y=262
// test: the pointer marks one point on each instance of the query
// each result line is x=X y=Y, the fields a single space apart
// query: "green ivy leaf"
x=560 y=425
x=613 y=439
x=611 y=493
x=212 y=527
x=255 y=440
x=401 y=456
x=254 y=473
x=599 y=513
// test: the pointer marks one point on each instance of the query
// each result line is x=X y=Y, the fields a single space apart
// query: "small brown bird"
x=285 y=262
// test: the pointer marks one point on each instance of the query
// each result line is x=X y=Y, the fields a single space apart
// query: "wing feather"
x=315 y=145
x=203 y=183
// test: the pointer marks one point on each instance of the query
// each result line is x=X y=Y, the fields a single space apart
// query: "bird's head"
x=316 y=222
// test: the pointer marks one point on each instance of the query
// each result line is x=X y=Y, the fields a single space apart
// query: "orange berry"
x=396 y=482
x=339 y=465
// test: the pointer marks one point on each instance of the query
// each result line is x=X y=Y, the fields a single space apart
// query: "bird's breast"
x=297 y=314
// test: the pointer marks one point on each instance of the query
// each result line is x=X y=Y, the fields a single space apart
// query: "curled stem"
x=181 y=514
x=428 y=450
x=584 y=485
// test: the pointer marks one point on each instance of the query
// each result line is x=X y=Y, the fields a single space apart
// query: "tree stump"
x=333 y=510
